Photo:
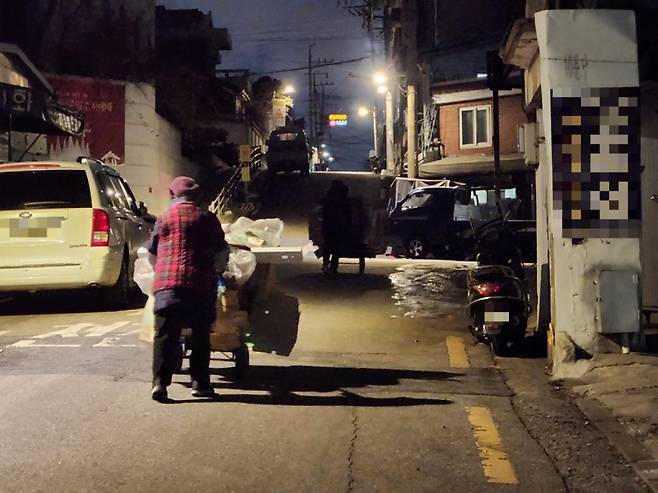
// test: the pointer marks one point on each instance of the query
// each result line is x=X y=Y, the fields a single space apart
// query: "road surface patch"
x=496 y=463
x=4 y=332
x=457 y=352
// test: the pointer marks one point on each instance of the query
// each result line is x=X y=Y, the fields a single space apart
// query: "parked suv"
x=66 y=225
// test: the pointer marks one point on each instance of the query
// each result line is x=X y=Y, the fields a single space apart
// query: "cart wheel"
x=241 y=356
x=178 y=357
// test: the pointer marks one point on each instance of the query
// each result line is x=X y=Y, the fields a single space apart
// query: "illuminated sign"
x=337 y=117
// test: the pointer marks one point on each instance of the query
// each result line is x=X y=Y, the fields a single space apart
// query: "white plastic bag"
x=250 y=233
x=241 y=266
x=143 y=273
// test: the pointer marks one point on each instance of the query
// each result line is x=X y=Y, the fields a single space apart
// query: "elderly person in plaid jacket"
x=186 y=241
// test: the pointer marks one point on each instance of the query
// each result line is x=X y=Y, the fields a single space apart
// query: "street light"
x=289 y=89
x=325 y=154
x=363 y=111
x=382 y=89
x=380 y=79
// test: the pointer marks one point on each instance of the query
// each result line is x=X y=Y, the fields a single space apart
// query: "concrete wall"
x=153 y=150
x=511 y=117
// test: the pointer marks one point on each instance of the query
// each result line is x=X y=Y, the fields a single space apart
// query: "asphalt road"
x=358 y=383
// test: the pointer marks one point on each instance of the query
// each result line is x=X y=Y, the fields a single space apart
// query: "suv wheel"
x=417 y=248
x=118 y=295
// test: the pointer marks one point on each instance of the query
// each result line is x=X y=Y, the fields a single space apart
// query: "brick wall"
x=511 y=117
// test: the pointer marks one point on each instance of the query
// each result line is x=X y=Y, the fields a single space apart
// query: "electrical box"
x=618 y=302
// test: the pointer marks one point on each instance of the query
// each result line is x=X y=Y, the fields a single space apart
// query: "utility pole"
x=311 y=124
x=375 y=145
x=412 y=170
x=314 y=119
x=317 y=105
x=390 y=142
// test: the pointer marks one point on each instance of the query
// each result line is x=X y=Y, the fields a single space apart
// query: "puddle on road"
x=425 y=291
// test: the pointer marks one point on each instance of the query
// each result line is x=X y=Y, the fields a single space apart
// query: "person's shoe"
x=206 y=390
x=159 y=393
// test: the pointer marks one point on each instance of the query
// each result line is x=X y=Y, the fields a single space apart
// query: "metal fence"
x=235 y=182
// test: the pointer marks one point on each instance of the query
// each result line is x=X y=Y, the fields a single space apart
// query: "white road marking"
x=4 y=332
x=101 y=330
x=111 y=342
x=77 y=330
x=31 y=343
x=65 y=331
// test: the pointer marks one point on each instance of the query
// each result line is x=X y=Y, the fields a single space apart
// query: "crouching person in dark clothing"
x=186 y=241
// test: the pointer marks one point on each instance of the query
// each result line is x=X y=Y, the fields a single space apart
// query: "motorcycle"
x=498 y=299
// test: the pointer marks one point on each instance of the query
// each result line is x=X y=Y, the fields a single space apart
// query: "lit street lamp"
x=380 y=79
x=289 y=89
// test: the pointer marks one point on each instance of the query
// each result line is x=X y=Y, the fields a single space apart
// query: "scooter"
x=498 y=300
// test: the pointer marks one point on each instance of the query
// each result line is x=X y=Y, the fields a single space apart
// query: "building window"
x=475 y=127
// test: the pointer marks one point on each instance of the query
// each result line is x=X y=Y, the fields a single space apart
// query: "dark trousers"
x=169 y=322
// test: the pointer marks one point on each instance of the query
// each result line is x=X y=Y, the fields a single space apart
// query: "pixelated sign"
x=103 y=104
x=596 y=161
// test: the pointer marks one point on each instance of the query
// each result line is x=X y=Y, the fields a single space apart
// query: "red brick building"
x=465 y=129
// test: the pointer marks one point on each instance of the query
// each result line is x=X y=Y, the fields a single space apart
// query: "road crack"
x=350 y=450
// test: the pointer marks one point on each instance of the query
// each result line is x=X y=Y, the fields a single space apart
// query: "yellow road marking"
x=457 y=352
x=495 y=462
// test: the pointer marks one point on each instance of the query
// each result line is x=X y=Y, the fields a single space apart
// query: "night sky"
x=270 y=35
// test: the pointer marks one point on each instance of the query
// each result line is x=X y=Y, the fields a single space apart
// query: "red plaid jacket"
x=185 y=241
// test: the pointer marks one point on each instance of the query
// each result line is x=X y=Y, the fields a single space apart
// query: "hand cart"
x=228 y=335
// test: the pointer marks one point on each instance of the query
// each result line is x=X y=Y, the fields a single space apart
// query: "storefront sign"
x=279 y=112
x=21 y=100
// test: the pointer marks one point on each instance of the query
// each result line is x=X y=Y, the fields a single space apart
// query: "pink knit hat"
x=183 y=186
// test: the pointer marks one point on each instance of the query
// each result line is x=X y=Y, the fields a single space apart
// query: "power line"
x=328 y=64
x=296 y=40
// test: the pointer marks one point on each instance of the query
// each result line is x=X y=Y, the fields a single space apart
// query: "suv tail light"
x=100 y=228
x=488 y=288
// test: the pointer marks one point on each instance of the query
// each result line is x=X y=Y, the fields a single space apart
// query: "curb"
x=637 y=456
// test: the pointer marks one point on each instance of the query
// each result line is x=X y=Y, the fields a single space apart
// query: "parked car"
x=67 y=225
x=438 y=220
x=424 y=222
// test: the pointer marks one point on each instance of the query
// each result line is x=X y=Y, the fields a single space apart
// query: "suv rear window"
x=66 y=189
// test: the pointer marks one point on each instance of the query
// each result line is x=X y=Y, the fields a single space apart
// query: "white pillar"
x=411 y=132
x=589 y=77
x=375 y=143
x=390 y=142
